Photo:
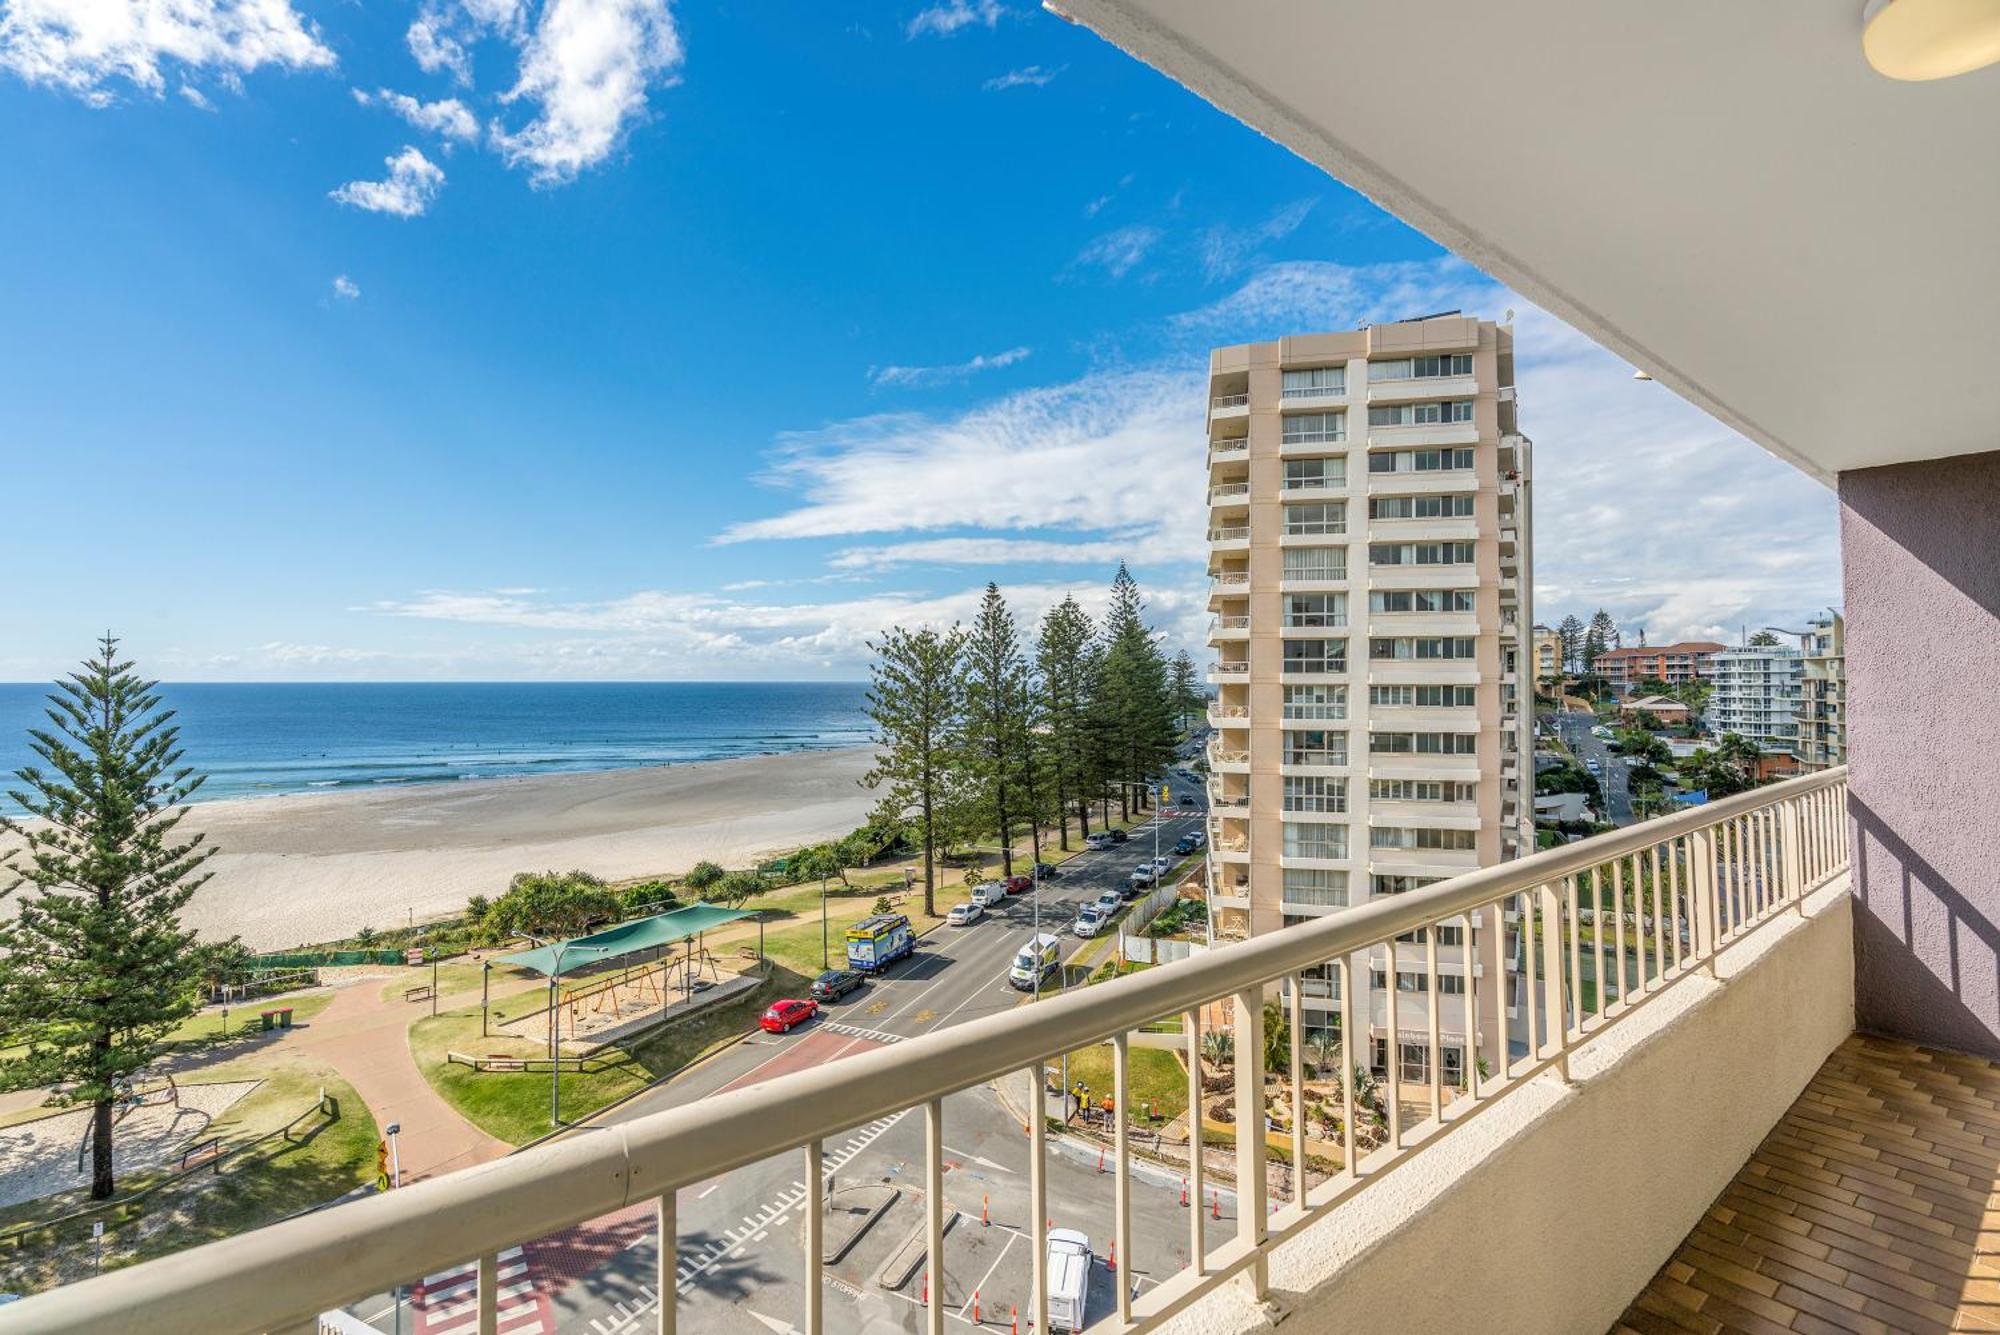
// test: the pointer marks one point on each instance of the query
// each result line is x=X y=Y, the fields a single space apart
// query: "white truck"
x=1069 y=1278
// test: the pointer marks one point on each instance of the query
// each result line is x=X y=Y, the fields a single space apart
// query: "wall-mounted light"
x=1930 y=39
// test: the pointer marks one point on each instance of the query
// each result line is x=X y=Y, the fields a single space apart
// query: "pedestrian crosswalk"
x=858 y=1031
x=447 y=1303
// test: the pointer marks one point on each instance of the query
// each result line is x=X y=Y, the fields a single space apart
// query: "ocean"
x=262 y=739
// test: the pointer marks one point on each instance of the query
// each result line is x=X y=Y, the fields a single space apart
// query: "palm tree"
x=1277 y=1039
x=1324 y=1047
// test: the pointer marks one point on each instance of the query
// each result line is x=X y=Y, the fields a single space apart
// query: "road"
x=742 y=1263
x=1575 y=731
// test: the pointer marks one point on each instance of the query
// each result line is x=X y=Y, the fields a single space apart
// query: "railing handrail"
x=371 y=1243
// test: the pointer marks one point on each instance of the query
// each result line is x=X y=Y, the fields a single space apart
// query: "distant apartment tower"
x=1675 y=664
x=1822 y=711
x=1757 y=691
x=1369 y=556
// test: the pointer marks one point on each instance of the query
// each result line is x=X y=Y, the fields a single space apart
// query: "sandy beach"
x=320 y=866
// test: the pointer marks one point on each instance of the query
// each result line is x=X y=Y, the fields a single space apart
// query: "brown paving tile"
x=1872 y=1207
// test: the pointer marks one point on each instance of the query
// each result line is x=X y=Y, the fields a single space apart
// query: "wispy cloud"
x=946 y=19
x=346 y=288
x=88 y=47
x=1028 y=76
x=436 y=51
x=1226 y=250
x=923 y=376
x=587 y=67
x=413 y=182
x=1118 y=253
x=447 y=118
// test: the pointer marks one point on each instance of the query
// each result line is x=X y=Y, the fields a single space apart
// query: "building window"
x=1414 y=1059
x=1421 y=368
x=1449 y=841
x=1455 y=506
x=1315 y=746
x=1314 y=428
x=1420 y=414
x=1419 y=790
x=1315 y=702
x=1420 y=553
x=1423 y=743
x=1318 y=886
x=1316 y=520
x=1421 y=600
x=1418 y=981
x=1316 y=611
x=1420 y=461
x=1381 y=884
x=1315 y=563
x=1305 y=474
x=1305 y=656
x=1316 y=382
x=1424 y=697
x=1423 y=647
x=1312 y=792
x=1315 y=840
x=1448 y=936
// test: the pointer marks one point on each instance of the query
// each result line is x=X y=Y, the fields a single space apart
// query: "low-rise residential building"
x=1689 y=660
x=1757 y=694
x=1548 y=652
x=1664 y=708
x=1822 y=711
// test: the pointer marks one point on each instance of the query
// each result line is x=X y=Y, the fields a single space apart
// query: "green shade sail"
x=627 y=938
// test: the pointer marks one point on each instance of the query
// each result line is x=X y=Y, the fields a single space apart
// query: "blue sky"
x=599 y=338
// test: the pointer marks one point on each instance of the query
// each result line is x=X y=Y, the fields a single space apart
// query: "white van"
x=1069 y=1278
x=988 y=894
x=1036 y=960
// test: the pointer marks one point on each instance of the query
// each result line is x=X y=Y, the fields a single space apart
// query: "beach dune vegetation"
x=552 y=904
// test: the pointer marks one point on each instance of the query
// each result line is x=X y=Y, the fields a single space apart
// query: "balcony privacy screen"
x=627 y=938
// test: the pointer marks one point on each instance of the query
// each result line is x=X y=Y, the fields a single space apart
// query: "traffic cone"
x=1215 y=1204
x=927 y=1286
x=985 y=1211
x=1183 y=1193
x=1111 y=1264
x=1014 y=1320
x=975 y=1308
x=1100 y=1158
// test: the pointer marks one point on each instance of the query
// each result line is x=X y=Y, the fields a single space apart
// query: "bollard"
x=975 y=1308
x=1184 y=1193
x=985 y=1211
x=1100 y=1158
x=1014 y=1320
x=927 y=1286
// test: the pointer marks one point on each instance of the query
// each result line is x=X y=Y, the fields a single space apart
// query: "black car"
x=1120 y=837
x=1046 y=870
x=835 y=984
x=1190 y=800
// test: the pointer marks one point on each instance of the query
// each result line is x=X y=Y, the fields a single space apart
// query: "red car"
x=785 y=1016
x=1018 y=885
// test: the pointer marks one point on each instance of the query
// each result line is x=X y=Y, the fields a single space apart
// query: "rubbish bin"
x=270 y=1019
x=285 y=1017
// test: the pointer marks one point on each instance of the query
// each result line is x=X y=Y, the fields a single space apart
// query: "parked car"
x=1119 y=836
x=787 y=1015
x=837 y=983
x=1018 y=885
x=1144 y=875
x=1069 y=1278
x=1089 y=922
x=1161 y=863
x=1109 y=902
x=1099 y=842
x=1592 y=765
x=1048 y=871
x=964 y=915
x=1035 y=961
x=1200 y=840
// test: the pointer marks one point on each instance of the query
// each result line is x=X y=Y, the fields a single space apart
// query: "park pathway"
x=367 y=1040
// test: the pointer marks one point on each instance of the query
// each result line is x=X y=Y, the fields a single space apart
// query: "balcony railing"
x=1230 y=400
x=1229 y=533
x=1228 y=623
x=1231 y=669
x=1662 y=899
x=1228 y=491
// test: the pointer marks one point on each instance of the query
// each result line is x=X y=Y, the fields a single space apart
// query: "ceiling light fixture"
x=1641 y=375
x=1930 y=39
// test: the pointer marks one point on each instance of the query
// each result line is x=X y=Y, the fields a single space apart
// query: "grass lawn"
x=454 y=977
x=204 y=1028
x=261 y=1186
x=514 y=1105
x=1157 y=1078
x=792 y=937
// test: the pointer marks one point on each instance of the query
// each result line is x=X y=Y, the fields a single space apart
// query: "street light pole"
x=825 y=951
x=555 y=1032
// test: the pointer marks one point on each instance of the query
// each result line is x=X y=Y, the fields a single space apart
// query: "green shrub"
x=703 y=875
x=736 y=886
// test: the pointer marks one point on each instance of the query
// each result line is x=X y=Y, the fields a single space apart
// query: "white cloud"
x=1119 y=252
x=447 y=118
x=414 y=181
x=345 y=288
x=195 y=97
x=917 y=376
x=86 y=46
x=1029 y=76
x=1225 y=250
x=946 y=19
x=587 y=66
x=436 y=50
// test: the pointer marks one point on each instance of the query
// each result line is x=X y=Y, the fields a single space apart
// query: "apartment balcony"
x=1232 y=854
x=1867 y=1191
x=1229 y=538
x=1424 y=530
x=1331 y=579
x=1332 y=489
x=1229 y=450
x=1220 y=673
x=1230 y=628
x=1314 y=398
x=1229 y=496
x=1228 y=407
x=1227 y=760
x=1420 y=434
x=1228 y=716
x=1424 y=390
x=1229 y=806
x=1324 y=442
x=1428 y=483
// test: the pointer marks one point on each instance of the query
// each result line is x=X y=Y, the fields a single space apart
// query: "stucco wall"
x=1920 y=546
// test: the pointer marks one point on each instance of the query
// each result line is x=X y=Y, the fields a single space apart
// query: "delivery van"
x=1035 y=961
x=1069 y=1278
x=875 y=943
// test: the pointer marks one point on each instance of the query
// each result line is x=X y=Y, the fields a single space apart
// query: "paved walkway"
x=366 y=1039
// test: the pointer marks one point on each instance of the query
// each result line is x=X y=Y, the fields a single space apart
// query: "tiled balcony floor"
x=1870 y=1207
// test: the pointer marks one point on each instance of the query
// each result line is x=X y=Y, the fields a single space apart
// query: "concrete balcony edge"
x=1665 y=1108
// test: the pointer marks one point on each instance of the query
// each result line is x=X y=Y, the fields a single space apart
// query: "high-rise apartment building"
x=1822 y=711
x=1757 y=694
x=1369 y=559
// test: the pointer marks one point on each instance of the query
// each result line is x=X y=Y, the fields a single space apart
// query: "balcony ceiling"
x=1722 y=192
